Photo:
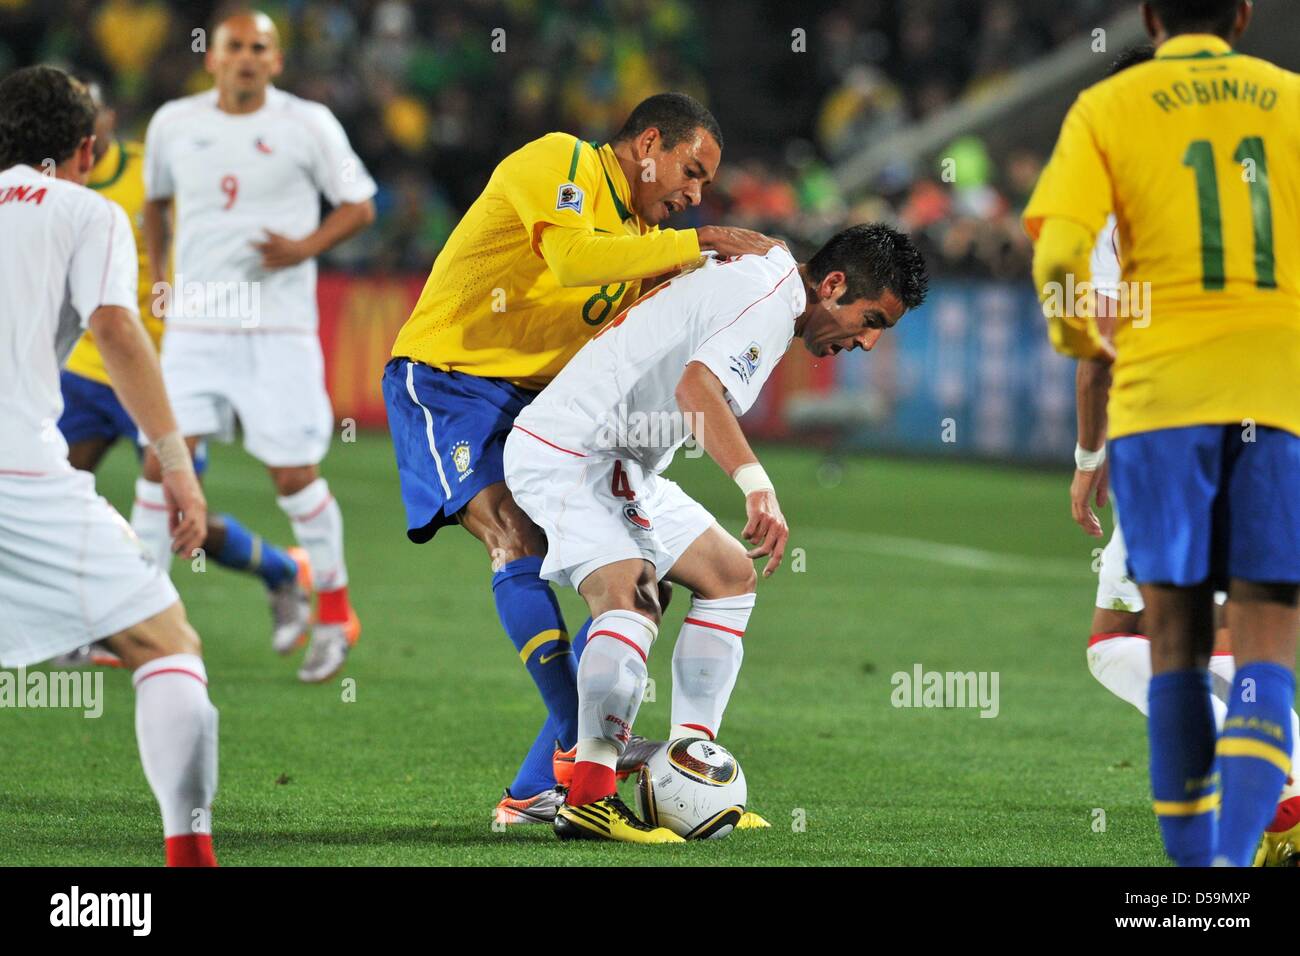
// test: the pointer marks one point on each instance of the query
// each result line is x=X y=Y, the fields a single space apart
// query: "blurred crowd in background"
x=431 y=108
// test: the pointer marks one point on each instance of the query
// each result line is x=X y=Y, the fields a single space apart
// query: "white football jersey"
x=616 y=397
x=1105 y=260
x=232 y=177
x=65 y=251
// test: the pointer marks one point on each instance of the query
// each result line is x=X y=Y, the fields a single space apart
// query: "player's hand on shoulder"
x=280 y=252
x=765 y=529
x=187 y=510
x=733 y=241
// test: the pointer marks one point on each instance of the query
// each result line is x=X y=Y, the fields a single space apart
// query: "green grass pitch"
x=954 y=566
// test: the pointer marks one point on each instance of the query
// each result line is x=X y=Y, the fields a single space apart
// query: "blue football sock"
x=1183 y=780
x=245 y=551
x=1254 y=756
x=536 y=773
x=580 y=641
x=531 y=618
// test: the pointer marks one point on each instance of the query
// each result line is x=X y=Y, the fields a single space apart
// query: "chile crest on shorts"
x=634 y=513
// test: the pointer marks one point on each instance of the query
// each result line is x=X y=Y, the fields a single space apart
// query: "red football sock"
x=190 y=850
x=591 y=782
x=332 y=606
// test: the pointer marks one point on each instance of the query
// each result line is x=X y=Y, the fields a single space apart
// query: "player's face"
x=245 y=55
x=836 y=327
x=672 y=179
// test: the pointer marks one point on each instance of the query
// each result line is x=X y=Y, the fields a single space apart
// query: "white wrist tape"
x=752 y=478
x=1086 y=460
x=173 y=453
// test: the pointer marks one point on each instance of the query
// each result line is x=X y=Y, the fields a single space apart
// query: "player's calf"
x=317 y=521
x=612 y=673
x=176 y=728
x=710 y=646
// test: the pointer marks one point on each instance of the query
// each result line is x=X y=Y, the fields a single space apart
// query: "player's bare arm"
x=132 y=365
x=703 y=401
x=344 y=222
x=1092 y=387
x=157 y=231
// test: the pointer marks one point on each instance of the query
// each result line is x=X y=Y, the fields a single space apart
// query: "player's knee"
x=733 y=577
x=162 y=635
x=290 y=481
x=502 y=526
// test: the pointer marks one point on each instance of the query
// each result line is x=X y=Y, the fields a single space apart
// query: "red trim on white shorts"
x=575 y=454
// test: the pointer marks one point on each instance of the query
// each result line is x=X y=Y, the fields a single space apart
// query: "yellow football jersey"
x=119 y=175
x=1197 y=152
x=492 y=305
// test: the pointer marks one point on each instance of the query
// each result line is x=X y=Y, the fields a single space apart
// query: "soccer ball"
x=694 y=788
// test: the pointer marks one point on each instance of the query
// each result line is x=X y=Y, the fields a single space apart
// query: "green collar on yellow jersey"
x=1194 y=46
x=109 y=161
x=623 y=212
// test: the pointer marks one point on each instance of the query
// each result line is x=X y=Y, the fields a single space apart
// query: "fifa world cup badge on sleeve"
x=746 y=363
x=569 y=197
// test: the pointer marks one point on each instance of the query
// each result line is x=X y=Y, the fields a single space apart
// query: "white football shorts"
x=588 y=525
x=1116 y=591
x=71 y=569
x=272 y=383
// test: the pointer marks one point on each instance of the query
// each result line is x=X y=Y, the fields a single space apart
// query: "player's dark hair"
x=1196 y=16
x=676 y=116
x=873 y=257
x=1133 y=56
x=44 y=115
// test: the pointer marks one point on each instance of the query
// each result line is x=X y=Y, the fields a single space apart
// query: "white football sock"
x=176 y=727
x=612 y=675
x=318 y=526
x=1122 y=664
x=149 y=522
x=706 y=662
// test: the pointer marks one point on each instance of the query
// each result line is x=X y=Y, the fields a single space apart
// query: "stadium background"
x=911 y=560
x=855 y=128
